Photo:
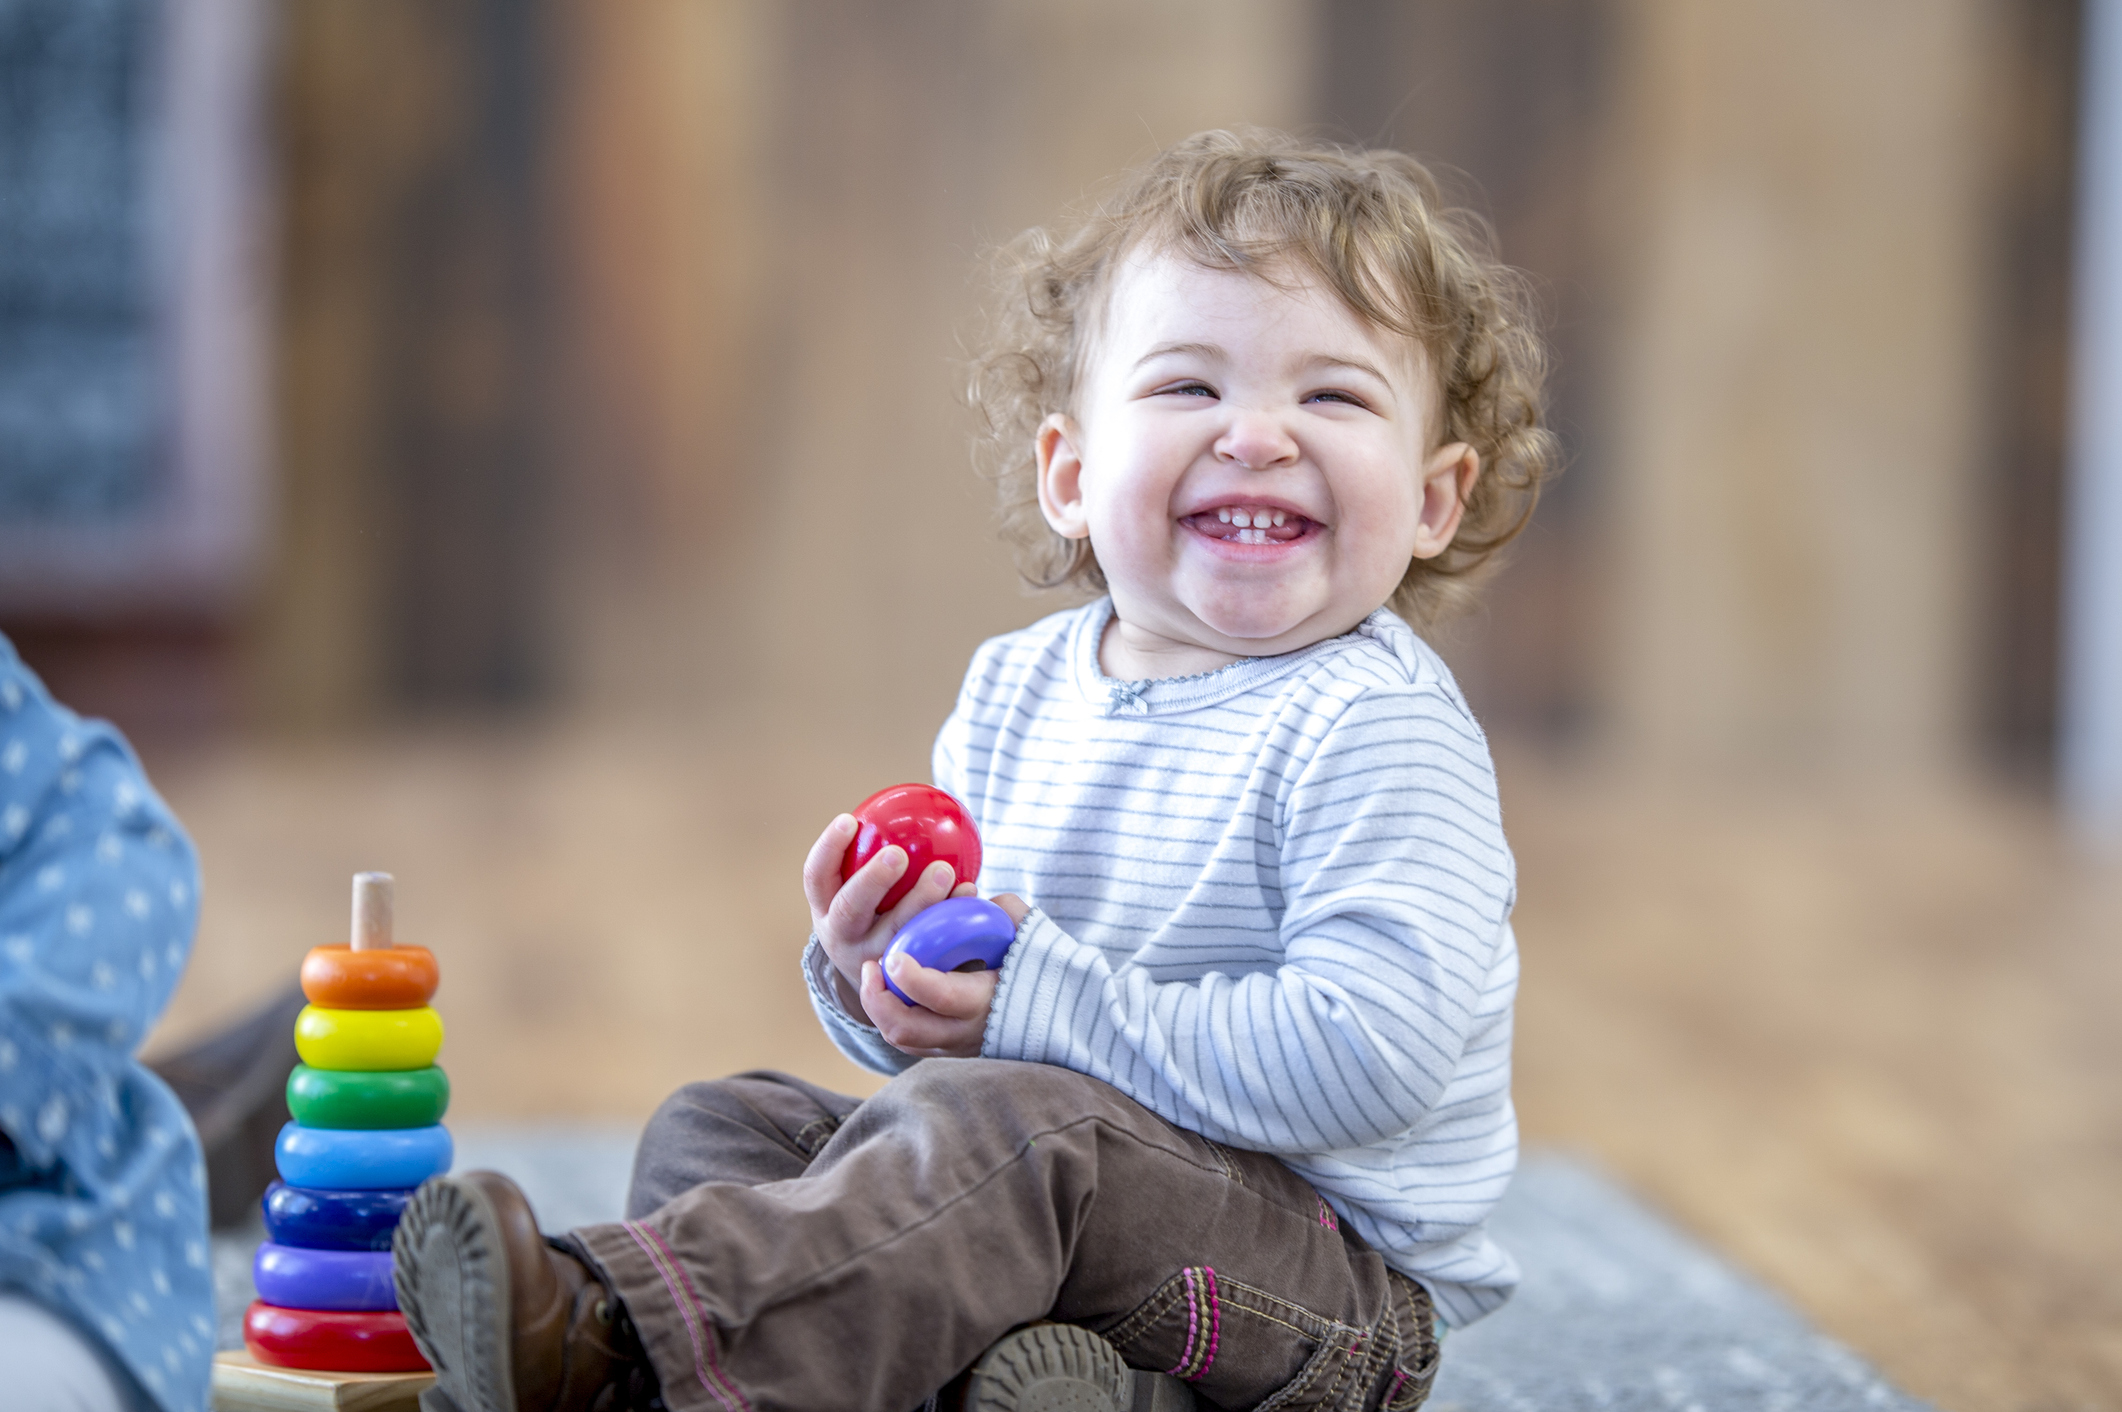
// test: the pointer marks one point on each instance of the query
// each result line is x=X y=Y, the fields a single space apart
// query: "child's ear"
x=1061 y=476
x=1447 y=480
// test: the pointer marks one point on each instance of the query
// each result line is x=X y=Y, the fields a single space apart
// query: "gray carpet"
x=1619 y=1311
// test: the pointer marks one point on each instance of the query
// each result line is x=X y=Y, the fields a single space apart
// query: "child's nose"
x=1257 y=440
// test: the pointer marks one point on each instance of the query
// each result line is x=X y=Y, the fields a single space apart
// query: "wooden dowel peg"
x=372 y=911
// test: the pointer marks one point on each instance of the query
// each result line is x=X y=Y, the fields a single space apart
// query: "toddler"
x=1235 y=1107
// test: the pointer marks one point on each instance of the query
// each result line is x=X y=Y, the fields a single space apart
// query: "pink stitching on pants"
x=692 y=1331
x=1200 y=1280
x=690 y=1310
x=712 y=1361
x=1399 y=1381
x=1193 y=1329
x=1215 y=1320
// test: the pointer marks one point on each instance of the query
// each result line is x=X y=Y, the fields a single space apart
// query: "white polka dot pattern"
x=102 y=1190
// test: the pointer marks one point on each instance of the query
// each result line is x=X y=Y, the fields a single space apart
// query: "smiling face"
x=1253 y=465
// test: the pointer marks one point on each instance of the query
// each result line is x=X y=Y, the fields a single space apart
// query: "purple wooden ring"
x=954 y=934
x=294 y=1277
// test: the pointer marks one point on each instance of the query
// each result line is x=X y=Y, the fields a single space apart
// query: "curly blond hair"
x=1374 y=228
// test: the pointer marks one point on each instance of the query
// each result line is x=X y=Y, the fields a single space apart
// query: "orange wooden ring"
x=392 y=978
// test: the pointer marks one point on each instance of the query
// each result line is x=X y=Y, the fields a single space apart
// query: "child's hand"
x=845 y=916
x=951 y=1017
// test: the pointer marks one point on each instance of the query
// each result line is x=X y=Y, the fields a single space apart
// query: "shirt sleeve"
x=1396 y=887
x=860 y=1042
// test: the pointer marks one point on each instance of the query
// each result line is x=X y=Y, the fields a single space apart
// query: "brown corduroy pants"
x=789 y=1249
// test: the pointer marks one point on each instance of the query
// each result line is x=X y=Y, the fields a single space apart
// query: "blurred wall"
x=691 y=280
x=134 y=477
x=412 y=398
x=1800 y=415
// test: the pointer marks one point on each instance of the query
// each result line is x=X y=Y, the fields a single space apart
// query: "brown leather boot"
x=510 y=1323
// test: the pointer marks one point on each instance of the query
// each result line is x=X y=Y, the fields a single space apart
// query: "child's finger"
x=821 y=866
x=854 y=907
x=955 y=995
x=931 y=887
x=933 y=1037
x=886 y=1011
x=929 y=1036
x=914 y=1028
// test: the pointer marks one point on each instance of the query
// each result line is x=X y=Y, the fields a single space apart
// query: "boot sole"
x=1063 y=1368
x=451 y=1275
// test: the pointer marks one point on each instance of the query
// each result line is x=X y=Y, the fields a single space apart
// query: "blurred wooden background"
x=625 y=532
x=618 y=347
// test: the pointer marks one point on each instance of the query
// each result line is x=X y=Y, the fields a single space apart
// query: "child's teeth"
x=1252 y=525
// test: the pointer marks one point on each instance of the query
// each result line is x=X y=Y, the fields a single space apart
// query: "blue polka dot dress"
x=102 y=1189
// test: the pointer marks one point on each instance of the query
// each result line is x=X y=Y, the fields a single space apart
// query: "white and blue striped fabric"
x=1272 y=905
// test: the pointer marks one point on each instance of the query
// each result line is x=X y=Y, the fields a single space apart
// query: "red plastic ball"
x=331 y=1340
x=929 y=824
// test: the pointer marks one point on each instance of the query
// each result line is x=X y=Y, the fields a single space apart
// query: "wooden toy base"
x=243 y=1384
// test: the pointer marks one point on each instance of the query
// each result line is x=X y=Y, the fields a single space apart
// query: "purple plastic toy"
x=958 y=933
x=296 y=1278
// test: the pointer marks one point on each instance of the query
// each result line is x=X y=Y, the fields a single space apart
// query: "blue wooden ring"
x=294 y=1278
x=361 y=1159
x=332 y=1220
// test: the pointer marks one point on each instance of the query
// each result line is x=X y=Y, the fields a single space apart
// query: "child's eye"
x=1188 y=389
x=1336 y=395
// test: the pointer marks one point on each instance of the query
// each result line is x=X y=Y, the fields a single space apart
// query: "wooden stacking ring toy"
x=388 y=1098
x=368 y=1039
x=343 y=1340
x=357 y=1160
x=332 y=1220
x=368 y=1102
x=392 y=978
x=293 y=1278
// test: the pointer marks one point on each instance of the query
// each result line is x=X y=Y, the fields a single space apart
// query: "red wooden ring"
x=331 y=1340
x=394 y=978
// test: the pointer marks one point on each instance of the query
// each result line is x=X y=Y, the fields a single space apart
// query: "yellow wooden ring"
x=368 y=1039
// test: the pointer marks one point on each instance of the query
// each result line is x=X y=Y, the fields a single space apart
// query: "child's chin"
x=1254 y=633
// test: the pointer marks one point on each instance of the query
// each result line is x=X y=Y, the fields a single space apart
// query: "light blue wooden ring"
x=294 y=1278
x=358 y=1159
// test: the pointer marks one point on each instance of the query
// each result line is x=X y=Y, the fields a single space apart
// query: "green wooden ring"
x=371 y=1099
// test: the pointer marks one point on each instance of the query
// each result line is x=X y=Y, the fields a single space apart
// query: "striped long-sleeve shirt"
x=1271 y=904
